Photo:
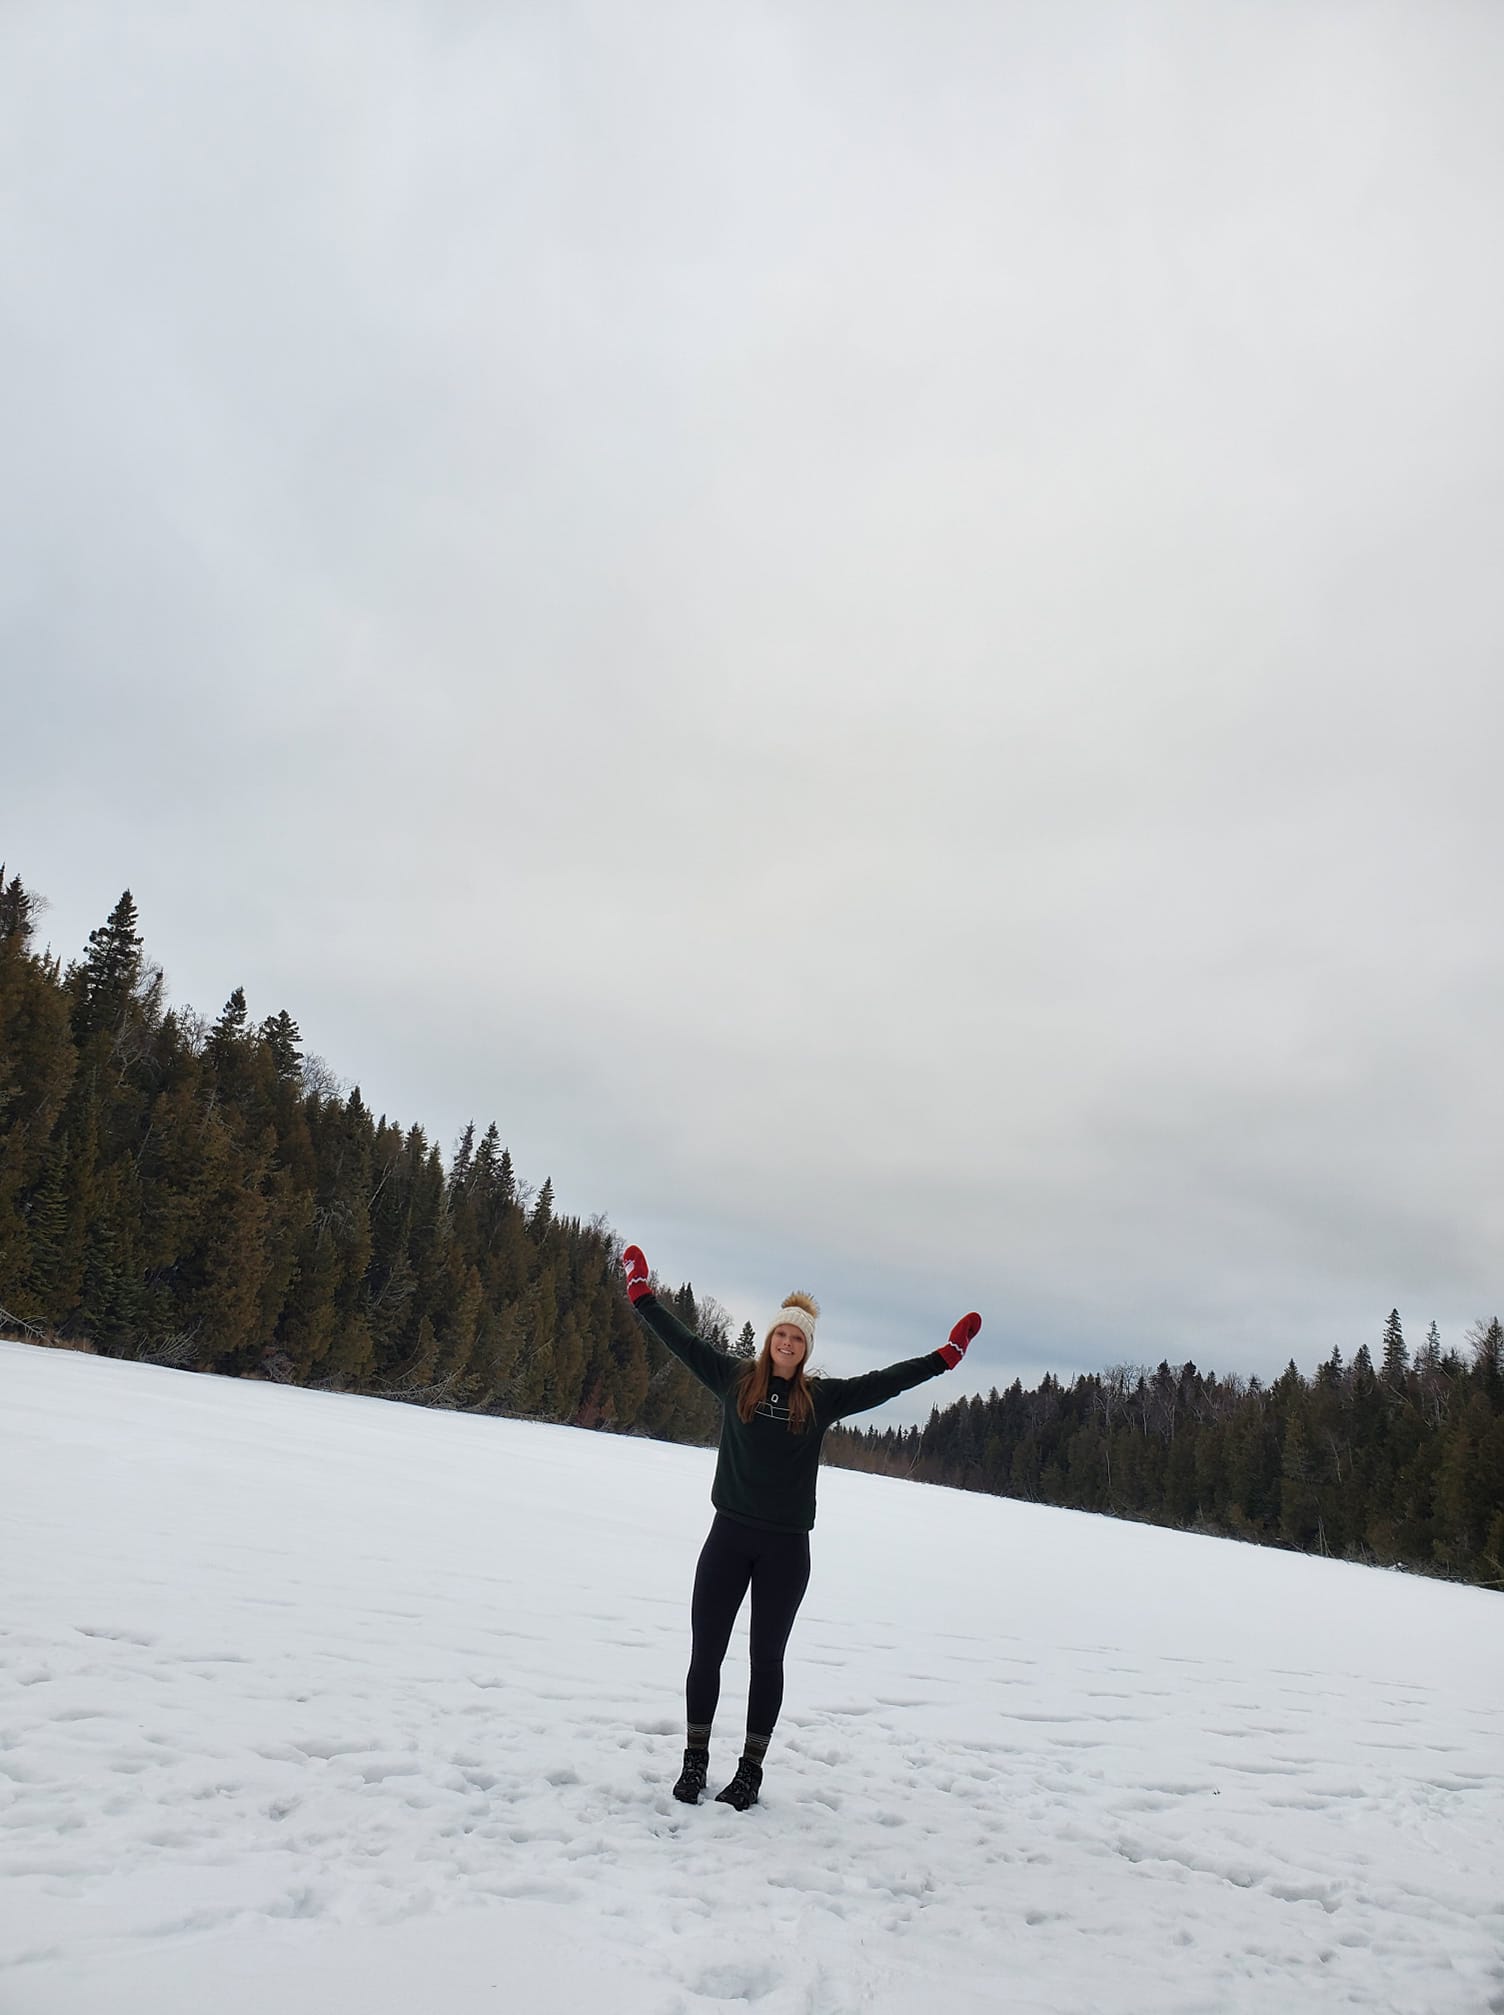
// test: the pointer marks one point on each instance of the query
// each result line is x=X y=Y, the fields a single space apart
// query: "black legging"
x=777 y=1566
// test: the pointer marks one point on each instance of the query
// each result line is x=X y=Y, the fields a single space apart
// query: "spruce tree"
x=47 y=1228
x=280 y=1034
x=464 y=1156
x=104 y=983
x=38 y=1062
x=226 y=1041
x=1396 y=1359
x=17 y=908
x=1487 y=1340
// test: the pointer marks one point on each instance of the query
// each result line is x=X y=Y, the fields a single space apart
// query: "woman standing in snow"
x=773 y=1420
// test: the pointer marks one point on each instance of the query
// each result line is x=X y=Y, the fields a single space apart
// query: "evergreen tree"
x=1396 y=1359
x=1487 y=1340
x=225 y=1050
x=38 y=1063
x=104 y=984
x=46 y=1220
x=1300 y=1509
x=17 y=910
x=280 y=1034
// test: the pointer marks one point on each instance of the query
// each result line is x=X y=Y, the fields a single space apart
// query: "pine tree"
x=47 y=1226
x=104 y=984
x=1465 y=1502
x=38 y=1062
x=112 y=1297
x=281 y=1035
x=746 y=1342
x=1396 y=1359
x=1433 y=1383
x=1487 y=1340
x=17 y=910
x=225 y=1044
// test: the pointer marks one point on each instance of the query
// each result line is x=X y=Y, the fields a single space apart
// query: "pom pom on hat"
x=801 y=1312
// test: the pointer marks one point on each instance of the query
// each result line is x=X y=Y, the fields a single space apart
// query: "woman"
x=773 y=1419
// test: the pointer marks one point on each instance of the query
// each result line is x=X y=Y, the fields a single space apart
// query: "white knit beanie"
x=799 y=1311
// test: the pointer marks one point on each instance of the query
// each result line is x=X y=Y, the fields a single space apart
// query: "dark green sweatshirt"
x=765 y=1472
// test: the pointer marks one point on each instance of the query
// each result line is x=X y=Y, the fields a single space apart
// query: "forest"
x=1398 y=1462
x=207 y=1196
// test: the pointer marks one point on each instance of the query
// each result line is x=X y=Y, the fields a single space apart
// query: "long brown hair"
x=752 y=1389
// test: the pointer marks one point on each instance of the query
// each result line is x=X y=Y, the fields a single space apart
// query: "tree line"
x=208 y=1196
x=1398 y=1462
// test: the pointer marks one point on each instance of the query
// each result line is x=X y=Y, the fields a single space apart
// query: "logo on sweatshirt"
x=776 y=1405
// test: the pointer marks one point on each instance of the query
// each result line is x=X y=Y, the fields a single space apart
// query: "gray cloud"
x=878 y=629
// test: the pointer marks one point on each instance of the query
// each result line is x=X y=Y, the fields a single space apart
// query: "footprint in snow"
x=735 y=1983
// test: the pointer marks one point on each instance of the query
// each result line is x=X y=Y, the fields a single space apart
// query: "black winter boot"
x=692 y=1776
x=743 y=1789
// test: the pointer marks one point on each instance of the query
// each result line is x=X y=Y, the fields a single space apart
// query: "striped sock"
x=698 y=1735
x=756 y=1746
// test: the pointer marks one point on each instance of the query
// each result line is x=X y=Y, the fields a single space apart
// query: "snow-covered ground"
x=311 y=1702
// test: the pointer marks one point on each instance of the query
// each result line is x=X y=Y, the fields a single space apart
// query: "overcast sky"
x=877 y=627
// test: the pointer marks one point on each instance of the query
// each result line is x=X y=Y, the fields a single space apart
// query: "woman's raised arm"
x=841 y=1397
x=713 y=1368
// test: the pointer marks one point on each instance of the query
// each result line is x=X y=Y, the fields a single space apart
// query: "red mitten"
x=636 y=1270
x=960 y=1337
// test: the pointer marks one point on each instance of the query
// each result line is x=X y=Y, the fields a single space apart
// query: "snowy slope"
x=311 y=1702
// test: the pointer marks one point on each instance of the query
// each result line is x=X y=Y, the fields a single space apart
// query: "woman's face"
x=786 y=1347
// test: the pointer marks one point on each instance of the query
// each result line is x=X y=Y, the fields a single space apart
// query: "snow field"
x=305 y=1697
